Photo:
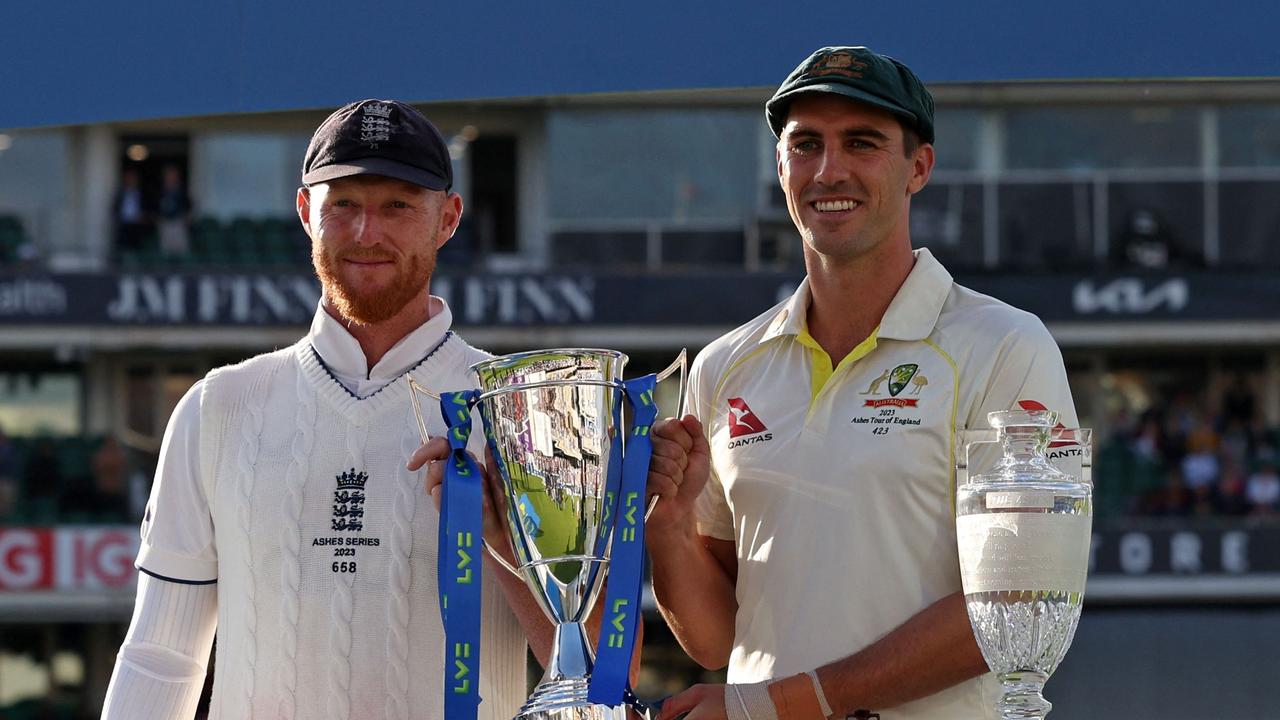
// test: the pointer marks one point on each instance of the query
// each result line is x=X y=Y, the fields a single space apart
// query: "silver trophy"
x=1023 y=530
x=551 y=419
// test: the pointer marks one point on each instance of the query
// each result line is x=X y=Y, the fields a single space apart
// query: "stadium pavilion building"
x=1097 y=168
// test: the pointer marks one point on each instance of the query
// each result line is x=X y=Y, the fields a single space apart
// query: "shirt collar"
x=341 y=353
x=912 y=314
x=914 y=311
x=790 y=317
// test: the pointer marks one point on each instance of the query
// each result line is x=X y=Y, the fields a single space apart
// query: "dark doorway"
x=149 y=155
x=492 y=205
x=143 y=200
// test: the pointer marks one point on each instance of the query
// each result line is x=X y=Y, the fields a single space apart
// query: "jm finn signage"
x=715 y=299
x=273 y=299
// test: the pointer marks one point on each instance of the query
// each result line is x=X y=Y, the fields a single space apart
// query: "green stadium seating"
x=208 y=244
x=12 y=238
x=244 y=238
x=249 y=243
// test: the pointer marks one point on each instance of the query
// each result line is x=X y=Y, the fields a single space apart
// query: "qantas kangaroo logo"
x=741 y=420
x=744 y=425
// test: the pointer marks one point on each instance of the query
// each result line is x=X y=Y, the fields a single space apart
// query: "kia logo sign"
x=1130 y=296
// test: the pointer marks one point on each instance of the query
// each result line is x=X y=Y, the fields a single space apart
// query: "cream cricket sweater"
x=325 y=547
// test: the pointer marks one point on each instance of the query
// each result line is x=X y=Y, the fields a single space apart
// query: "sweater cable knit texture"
x=250 y=432
x=291 y=546
x=397 y=707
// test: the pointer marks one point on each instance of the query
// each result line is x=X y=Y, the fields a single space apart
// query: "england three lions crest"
x=348 y=501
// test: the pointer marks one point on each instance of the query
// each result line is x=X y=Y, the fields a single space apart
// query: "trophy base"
x=566 y=699
x=1022 y=698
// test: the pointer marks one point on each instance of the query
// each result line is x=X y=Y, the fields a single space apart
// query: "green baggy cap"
x=860 y=74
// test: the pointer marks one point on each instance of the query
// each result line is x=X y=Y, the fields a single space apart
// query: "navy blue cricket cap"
x=860 y=74
x=378 y=137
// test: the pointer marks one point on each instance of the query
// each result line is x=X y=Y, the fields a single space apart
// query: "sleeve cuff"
x=176 y=568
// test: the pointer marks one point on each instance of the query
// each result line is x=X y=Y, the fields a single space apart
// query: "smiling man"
x=283 y=515
x=813 y=549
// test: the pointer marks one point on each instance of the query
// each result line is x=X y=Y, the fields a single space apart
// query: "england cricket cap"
x=859 y=74
x=378 y=137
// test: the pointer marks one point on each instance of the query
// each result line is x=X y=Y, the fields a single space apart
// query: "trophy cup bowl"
x=1023 y=531
x=552 y=421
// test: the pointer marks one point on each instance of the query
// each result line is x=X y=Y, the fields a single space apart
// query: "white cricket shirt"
x=837 y=485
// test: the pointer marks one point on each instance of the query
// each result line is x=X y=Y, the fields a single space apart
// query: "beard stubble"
x=370 y=307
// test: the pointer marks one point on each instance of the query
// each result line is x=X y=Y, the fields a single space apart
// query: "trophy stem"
x=562 y=694
x=570 y=656
x=1022 y=698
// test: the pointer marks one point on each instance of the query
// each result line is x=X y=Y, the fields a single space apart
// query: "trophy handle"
x=416 y=387
x=681 y=363
x=500 y=560
x=1082 y=438
x=965 y=441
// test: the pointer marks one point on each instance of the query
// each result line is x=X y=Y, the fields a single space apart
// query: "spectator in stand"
x=1200 y=469
x=1148 y=468
x=103 y=497
x=1230 y=492
x=133 y=226
x=1200 y=466
x=1176 y=500
x=1237 y=445
x=1204 y=501
x=1146 y=441
x=1238 y=401
x=1145 y=242
x=8 y=476
x=142 y=468
x=1182 y=416
x=174 y=214
x=1262 y=490
x=42 y=479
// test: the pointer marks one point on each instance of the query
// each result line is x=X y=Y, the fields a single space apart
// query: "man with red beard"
x=283 y=515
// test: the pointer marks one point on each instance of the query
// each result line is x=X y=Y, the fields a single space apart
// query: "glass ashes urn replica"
x=1023 y=529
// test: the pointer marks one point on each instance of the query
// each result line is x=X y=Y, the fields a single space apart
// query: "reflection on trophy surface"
x=1023 y=529
x=552 y=420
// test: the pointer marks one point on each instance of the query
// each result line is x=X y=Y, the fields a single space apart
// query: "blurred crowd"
x=1180 y=459
x=1184 y=459
x=69 y=480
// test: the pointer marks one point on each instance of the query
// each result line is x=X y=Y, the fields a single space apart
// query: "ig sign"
x=67 y=558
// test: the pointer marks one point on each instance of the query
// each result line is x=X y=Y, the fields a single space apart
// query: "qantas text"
x=750 y=439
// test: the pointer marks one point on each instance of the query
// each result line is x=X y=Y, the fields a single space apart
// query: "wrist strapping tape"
x=749 y=701
x=817 y=689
